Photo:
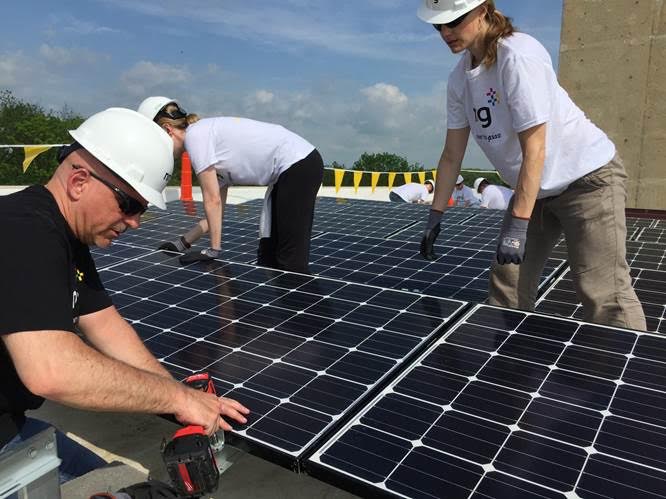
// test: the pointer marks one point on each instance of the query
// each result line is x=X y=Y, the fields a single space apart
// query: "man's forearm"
x=80 y=376
x=112 y=335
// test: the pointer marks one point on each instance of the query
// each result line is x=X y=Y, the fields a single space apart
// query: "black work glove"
x=152 y=489
x=433 y=226
x=205 y=255
x=512 y=239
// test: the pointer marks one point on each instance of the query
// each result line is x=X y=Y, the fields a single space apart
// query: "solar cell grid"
x=513 y=404
x=657 y=236
x=299 y=351
x=650 y=287
x=460 y=273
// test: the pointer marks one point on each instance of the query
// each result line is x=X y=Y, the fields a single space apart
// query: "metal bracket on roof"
x=31 y=468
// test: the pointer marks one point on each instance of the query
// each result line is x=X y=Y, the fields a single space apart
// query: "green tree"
x=27 y=123
x=381 y=162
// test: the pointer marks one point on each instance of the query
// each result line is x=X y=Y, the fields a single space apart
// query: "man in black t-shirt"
x=119 y=163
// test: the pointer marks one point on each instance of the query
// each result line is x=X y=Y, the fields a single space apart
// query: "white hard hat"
x=477 y=183
x=131 y=146
x=445 y=11
x=460 y=180
x=152 y=105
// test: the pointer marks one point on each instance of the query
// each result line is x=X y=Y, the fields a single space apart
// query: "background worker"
x=120 y=162
x=463 y=196
x=494 y=197
x=565 y=171
x=412 y=192
x=229 y=151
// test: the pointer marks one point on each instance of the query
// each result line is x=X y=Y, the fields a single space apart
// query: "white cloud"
x=264 y=97
x=11 y=68
x=145 y=76
x=63 y=55
x=78 y=26
x=384 y=93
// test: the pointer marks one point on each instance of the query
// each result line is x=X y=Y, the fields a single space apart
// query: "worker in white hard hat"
x=227 y=151
x=463 y=196
x=51 y=291
x=494 y=197
x=565 y=171
x=412 y=192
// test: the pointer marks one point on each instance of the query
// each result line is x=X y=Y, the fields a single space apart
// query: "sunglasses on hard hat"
x=452 y=24
x=174 y=114
x=127 y=204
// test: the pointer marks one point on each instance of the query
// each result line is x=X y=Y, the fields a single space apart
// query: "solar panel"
x=458 y=235
x=652 y=236
x=512 y=404
x=299 y=351
x=460 y=273
x=650 y=287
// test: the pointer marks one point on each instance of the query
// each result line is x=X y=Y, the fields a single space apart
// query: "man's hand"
x=512 y=239
x=205 y=409
x=205 y=255
x=432 y=231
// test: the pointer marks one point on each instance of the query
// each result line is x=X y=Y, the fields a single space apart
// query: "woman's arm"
x=533 y=144
x=214 y=198
x=449 y=165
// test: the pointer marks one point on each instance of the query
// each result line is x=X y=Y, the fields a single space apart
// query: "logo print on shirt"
x=79 y=275
x=493 y=98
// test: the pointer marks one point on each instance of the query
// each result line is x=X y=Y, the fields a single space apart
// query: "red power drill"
x=190 y=455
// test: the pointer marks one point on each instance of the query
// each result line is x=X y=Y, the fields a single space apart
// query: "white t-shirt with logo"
x=243 y=151
x=518 y=92
x=463 y=196
x=412 y=192
x=496 y=197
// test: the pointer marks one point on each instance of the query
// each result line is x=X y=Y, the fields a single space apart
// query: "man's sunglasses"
x=127 y=204
x=174 y=114
x=452 y=24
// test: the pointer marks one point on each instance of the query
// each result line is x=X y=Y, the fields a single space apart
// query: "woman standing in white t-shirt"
x=228 y=151
x=564 y=170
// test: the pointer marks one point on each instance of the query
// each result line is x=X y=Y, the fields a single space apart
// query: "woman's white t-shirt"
x=412 y=192
x=243 y=151
x=518 y=92
x=496 y=197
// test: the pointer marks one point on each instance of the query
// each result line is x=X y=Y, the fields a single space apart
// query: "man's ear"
x=77 y=183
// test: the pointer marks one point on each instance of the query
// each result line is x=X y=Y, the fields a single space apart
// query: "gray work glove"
x=512 y=239
x=177 y=245
x=205 y=255
x=433 y=226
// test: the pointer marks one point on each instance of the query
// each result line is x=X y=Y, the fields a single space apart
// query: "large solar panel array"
x=512 y=404
x=357 y=367
x=458 y=272
x=650 y=287
x=300 y=351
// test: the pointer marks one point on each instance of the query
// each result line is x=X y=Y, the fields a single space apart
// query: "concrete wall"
x=613 y=64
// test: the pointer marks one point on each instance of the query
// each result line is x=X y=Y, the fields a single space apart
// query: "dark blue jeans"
x=76 y=459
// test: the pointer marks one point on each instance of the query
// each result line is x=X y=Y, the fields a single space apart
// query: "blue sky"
x=349 y=75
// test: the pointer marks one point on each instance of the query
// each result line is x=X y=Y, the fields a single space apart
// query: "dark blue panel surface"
x=299 y=351
x=514 y=404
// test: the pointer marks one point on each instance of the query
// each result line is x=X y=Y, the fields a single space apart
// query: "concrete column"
x=613 y=64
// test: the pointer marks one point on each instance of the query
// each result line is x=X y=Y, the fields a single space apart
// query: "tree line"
x=24 y=122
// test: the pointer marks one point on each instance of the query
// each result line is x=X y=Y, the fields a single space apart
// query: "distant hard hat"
x=131 y=146
x=460 y=180
x=152 y=105
x=477 y=183
x=445 y=11
x=431 y=182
